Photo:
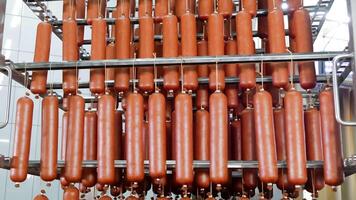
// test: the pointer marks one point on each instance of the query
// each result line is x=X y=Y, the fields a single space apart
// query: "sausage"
x=262 y=28
x=118 y=144
x=157 y=135
x=304 y=44
x=40 y=197
x=250 y=6
x=201 y=144
x=279 y=127
x=69 y=9
x=314 y=145
x=231 y=70
x=49 y=138
x=134 y=141
x=106 y=133
x=276 y=39
x=71 y=193
x=105 y=197
x=64 y=135
x=205 y=8
x=110 y=54
x=225 y=7
x=123 y=8
x=248 y=147
x=70 y=53
x=42 y=50
x=146 y=49
x=123 y=50
x=170 y=49
x=294 y=4
x=90 y=147
x=295 y=139
x=21 y=149
x=93 y=9
x=144 y=8
x=332 y=150
x=216 y=48
x=161 y=9
x=245 y=46
x=98 y=52
x=202 y=98
x=183 y=6
x=189 y=48
x=265 y=143
x=183 y=139
x=231 y=92
x=203 y=70
x=131 y=198
x=236 y=140
x=218 y=138
x=80 y=9
x=74 y=149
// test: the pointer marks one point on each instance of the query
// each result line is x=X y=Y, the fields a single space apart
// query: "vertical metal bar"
x=2 y=21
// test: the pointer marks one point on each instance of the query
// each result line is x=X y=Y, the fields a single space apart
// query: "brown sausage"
x=64 y=135
x=110 y=54
x=245 y=46
x=225 y=7
x=146 y=49
x=134 y=141
x=145 y=8
x=262 y=28
x=123 y=8
x=123 y=50
x=218 y=138
x=295 y=139
x=183 y=139
x=40 y=197
x=74 y=149
x=236 y=143
x=157 y=135
x=203 y=70
x=205 y=8
x=189 y=48
x=250 y=6
x=279 y=127
x=170 y=49
x=49 y=138
x=216 y=48
x=80 y=8
x=231 y=70
x=71 y=193
x=272 y=4
x=69 y=9
x=304 y=44
x=42 y=50
x=330 y=129
x=21 y=149
x=90 y=147
x=118 y=144
x=294 y=4
x=276 y=39
x=93 y=9
x=183 y=6
x=106 y=131
x=70 y=53
x=248 y=147
x=314 y=145
x=231 y=92
x=265 y=143
x=105 y=197
x=161 y=9
x=202 y=98
x=201 y=144
x=98 y=52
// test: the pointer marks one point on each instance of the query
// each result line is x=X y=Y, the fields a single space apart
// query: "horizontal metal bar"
x=141 y=62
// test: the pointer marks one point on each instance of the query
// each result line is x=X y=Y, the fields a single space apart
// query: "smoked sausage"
x=201 y=144
x=216 y=48
x=265 y=142
x=248 y=147
x=161 y=9
x=276 y=41
x=231 y=92
x=69 y=9
x=304 y=44
x=183 y=139
x=70 y=53
x=330 y=129
x=189 y=48
x=110 y=54
x=98 y=52
x=236 y=140
x=145 y=8
x=95 y=9
x=218 y=138
x=117 y=145
x=64 y=135
x=205 y=8
x=75 y=136
x=157 y=135
x=49 y=138
x=295 y=139
x=106 y=131
x=245 y=46
x=123 y=50
x=40 y=197
x=146 y=49
x=123 y=8
x=71 y=193
x=170 y=49
x=225 y=7
x=203 y=70
x=90 y=147
x=183 y=6
x=231 y=70
x=21 y=149
x=294 y=4
x=105 y=197
x=250 y=6
x=134 y=141
x=314 y=146
x=202 y=98
x=42 y=50
x=80 y=8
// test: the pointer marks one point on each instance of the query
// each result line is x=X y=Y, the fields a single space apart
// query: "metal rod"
x=257 y=58
x=9 y=91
